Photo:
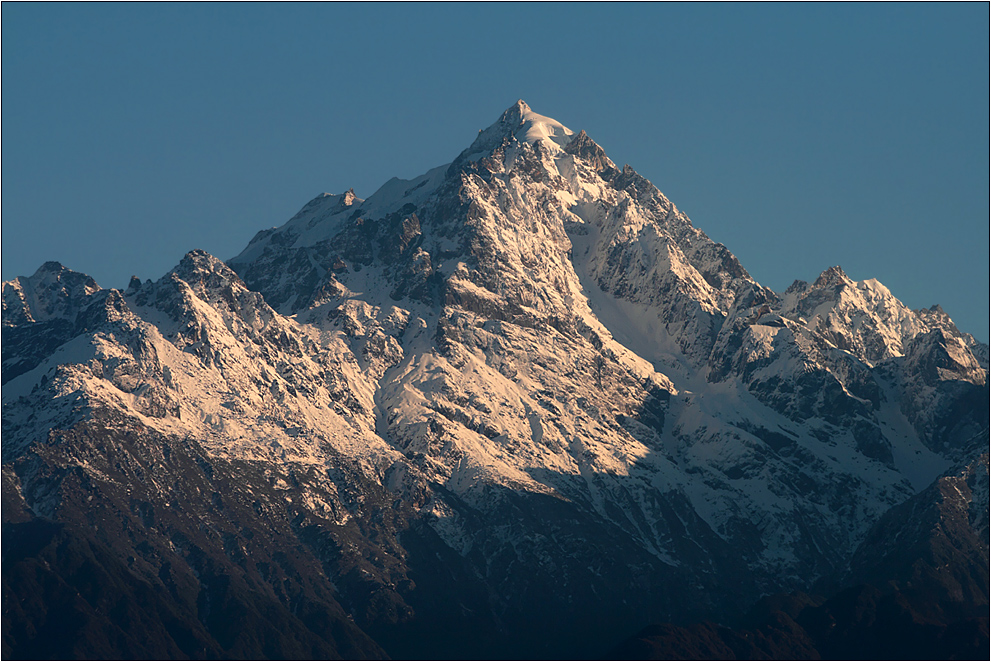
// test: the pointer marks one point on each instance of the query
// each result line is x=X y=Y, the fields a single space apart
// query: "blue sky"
x=801 y=136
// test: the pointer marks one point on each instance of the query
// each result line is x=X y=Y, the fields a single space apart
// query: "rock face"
x=516 y=406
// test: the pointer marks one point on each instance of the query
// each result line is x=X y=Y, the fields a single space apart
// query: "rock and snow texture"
x=529 y=317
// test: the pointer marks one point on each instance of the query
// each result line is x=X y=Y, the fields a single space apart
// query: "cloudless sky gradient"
x=799 y=135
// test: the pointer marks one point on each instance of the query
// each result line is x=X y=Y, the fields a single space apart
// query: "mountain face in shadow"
x=916 y=589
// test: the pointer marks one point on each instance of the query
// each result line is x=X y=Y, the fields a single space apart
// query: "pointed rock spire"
x=348 y=198
x=831 y=277
x=133 y=286
x=589 y=151
x=199 y=268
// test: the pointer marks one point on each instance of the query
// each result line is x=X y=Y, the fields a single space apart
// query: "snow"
x=395 y=193
x=875 y=323
x=538 y=127
x=526 y=127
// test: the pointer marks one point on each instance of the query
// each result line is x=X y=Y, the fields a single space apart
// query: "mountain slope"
x=916 y=589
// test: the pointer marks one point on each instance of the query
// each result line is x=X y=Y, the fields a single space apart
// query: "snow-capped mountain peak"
x=53 y=291
x=533 y=356
x=520 y=122
x=536 y=127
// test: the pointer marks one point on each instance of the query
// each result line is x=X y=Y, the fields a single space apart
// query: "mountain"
x=518 y=406
x=916 y=589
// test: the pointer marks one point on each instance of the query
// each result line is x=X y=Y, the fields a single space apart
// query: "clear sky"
x=801 y=136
